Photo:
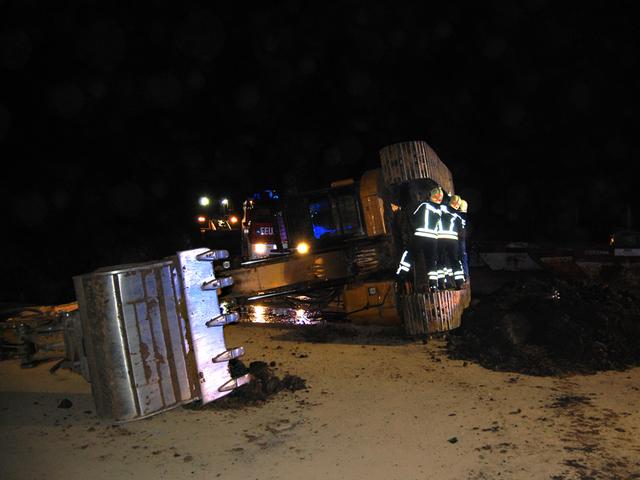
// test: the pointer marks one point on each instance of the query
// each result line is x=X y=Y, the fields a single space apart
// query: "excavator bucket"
x=152 y=335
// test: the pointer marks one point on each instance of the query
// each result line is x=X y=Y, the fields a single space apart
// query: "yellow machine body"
x=371 y=303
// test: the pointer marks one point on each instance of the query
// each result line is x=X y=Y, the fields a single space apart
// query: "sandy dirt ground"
x=376 y=407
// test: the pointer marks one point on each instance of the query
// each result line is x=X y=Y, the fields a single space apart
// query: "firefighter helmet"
x=436 y=194
x=463 y=206
x=455 y=202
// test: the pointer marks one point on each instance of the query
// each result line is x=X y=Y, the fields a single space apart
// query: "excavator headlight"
x=260 y=248
x=302 y=248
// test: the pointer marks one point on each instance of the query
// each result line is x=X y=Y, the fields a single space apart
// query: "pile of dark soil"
x=551 y=326
x=264 y=385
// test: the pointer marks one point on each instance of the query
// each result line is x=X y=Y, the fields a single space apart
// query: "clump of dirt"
x=551 y=326
x=65 y=403
x=264 y=384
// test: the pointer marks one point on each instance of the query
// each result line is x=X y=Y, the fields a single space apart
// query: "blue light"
x=264 y=195
x=319 y=231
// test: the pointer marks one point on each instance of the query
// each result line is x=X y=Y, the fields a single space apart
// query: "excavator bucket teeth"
x=227 y=355
x=235 y=383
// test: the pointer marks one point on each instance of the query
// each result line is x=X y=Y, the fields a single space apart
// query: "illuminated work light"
x=204 y=201
x=260 y=248
x=303 y=247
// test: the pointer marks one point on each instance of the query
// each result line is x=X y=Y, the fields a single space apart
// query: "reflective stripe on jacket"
x=427 y=223
x=450 y=224
x=404 y=265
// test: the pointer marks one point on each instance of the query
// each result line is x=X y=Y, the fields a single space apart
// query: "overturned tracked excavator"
x=345 y=242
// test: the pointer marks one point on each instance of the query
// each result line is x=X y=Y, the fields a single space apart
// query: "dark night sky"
x=114 y=119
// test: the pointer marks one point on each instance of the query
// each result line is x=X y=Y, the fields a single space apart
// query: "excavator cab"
x=326 y=217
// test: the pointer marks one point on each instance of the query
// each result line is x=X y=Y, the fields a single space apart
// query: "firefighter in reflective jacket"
x=462 y=239
x=426 y=219
x=448 y=248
